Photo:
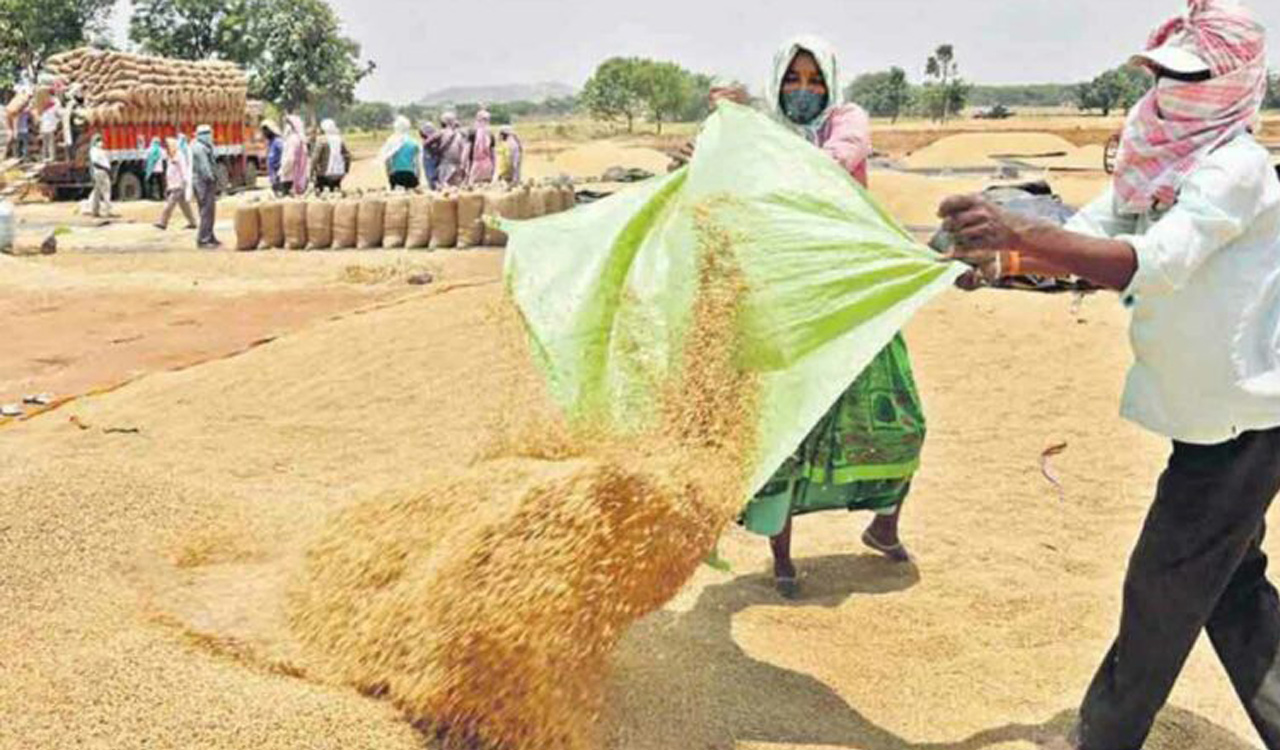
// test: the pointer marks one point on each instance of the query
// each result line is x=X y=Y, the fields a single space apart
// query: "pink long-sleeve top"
x=846 y=136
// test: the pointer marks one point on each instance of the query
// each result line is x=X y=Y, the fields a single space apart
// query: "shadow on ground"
x=682 y=681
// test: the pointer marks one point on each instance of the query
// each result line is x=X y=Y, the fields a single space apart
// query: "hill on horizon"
x=501 y=94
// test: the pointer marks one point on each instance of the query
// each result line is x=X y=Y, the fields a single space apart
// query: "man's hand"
x=977 y=224
x=1042 y=248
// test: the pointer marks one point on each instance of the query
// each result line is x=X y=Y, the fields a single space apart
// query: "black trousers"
x=1198 y=565
x=406 y=180
x=328 y=184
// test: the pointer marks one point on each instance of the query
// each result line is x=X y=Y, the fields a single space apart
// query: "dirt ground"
x=135 y=524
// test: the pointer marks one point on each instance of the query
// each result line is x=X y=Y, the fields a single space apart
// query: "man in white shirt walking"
x=100 y=166
x=1189 y=233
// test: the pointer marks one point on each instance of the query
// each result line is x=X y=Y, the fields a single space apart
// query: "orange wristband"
x=1013 y=263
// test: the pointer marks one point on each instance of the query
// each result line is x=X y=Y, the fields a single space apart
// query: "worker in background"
x=100 y=166
x=50 y=116
x=205 y=183
x=1189 y=233
x=452 y=146
x=331 y=159
x=401 y=155
x=510 y=156
x=275 y=152
x=22 y=133
x=430 y=154
x=481 y=150
x=294 y=159
x=177 y=182
x=154 y=168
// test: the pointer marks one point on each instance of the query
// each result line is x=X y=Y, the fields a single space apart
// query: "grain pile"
x=487 y=607
x=120 y=87
x=980 y=150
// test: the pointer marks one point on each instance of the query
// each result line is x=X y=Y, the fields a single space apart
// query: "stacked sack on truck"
x=413 y=220
x=120 y=88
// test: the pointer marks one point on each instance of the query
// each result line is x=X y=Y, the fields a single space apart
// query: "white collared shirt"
x=1205 y=299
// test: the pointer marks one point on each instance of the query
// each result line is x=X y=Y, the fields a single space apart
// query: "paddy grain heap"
x=486 y=606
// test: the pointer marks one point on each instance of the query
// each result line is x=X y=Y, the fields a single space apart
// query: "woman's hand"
x=735 y=94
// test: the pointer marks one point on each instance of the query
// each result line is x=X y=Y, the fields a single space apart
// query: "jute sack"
x=346 y=216
x=537 y=202
x=524 y=202
x=396 y=222
x=444 y=222
x=295 y=225
x=568 y=197
x=496 y=205
x=248 y=228
x=419 y=233
x=271 y=224
x=319 y=225
x=551 y=198
x=470 y=223
x=369 y=223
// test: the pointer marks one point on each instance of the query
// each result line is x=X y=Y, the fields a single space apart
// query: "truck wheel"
x=223 y=177
x=128 y=187
x=251 y=175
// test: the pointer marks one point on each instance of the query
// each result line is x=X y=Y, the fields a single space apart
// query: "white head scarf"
x=397 y=139
x=336 y=167
x=825 y=55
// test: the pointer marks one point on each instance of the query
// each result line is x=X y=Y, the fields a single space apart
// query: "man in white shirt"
x=1189 y=233
x=49 y=119
x=100 y=166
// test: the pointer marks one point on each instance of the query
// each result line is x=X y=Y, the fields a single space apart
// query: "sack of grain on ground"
x=248 y=228
x=524 y=202
x=395 y=225
x=346 y=217
x=295 y=225
x=568 y=198
x=470 y=226
x=319 y=225
x=418 y=235
x=369 y=224
x=537 y=202
x=444 y=222
x=271 y=224
x=493 y=210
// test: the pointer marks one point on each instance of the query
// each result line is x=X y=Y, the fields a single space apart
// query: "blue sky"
x=425 y=45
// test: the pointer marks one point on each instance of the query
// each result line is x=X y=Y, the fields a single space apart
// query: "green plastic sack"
x=606 y=291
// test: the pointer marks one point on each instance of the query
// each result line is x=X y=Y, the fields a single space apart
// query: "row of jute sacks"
x=395 y=219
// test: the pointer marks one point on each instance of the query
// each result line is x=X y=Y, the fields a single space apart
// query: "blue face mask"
x=802 y=106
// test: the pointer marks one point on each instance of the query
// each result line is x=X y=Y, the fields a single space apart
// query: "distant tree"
x=697 y=103
x=367 y=116
x=947 y=94
x=184 y=29
x=33 y=30
x=295 y=52
x=883 y=94
x=415 y=112
x=1273 y=91
x=616 y=91
x=1116 y=89
x=664 y=88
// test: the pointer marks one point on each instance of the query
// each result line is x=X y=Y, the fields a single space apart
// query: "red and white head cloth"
x=1176 y=124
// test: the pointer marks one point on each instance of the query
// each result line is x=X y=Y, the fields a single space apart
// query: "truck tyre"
x=251 y=175
x=128 y=187
x=223 y=176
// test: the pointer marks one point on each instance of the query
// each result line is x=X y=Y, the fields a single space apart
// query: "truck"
x=129 y=117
